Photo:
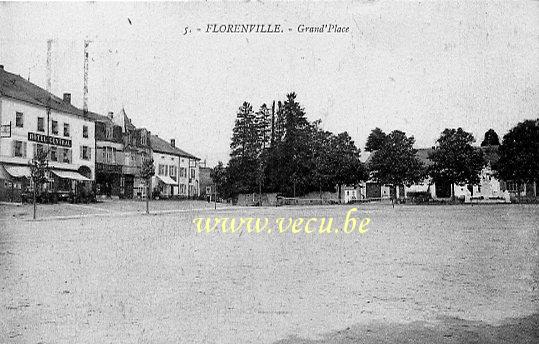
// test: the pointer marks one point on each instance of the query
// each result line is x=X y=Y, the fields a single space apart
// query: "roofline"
x=45 y=107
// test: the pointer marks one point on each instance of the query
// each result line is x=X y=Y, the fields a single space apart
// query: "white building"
x=177 y=172
x=33 y=119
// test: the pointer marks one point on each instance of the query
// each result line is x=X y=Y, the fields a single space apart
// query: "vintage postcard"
x=269 y=172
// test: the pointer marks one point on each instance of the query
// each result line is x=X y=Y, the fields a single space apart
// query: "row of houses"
x=490 y=189
x=86 y=150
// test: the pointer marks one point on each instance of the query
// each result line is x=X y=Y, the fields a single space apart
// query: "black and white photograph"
x=269 y=172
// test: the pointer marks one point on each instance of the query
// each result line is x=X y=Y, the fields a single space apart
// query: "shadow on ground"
x=446 y=330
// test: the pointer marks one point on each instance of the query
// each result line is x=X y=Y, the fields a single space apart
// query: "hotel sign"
x=49 y=140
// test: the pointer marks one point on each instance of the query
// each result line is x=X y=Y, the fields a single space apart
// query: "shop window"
x=85 y=153
x=19 y=149
x=54 y=153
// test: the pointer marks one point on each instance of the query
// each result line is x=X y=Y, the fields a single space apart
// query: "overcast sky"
x=415 y=66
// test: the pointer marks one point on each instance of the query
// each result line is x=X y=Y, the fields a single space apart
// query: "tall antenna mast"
x=85 y=87
x=49 y=83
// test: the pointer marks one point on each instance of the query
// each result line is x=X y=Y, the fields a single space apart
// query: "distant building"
x=120 y=150
x=176 y=171
x=33 y=119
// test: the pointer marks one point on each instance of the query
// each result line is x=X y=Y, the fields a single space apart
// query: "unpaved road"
x=420 y=274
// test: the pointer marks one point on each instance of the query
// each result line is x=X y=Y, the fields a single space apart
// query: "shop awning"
x=18 y=171
x=167 y=180
x=70 y=175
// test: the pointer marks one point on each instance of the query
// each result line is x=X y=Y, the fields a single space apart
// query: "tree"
x=245 y=135
x=491 y=139
x=294 y=149
x=395 y=161
x=375 y=140
x=344 y=161
x=147 y=170
x=455 y=160
x=39 y=166
x=519 y=153
x=219 y=176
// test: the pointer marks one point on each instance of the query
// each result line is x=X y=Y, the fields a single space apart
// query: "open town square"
x=108 y=273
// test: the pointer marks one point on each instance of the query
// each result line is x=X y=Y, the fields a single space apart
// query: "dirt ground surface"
x=106 y=273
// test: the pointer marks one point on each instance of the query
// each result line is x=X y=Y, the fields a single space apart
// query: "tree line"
x=277 y=149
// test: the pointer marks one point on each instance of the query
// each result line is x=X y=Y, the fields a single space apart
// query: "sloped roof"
x=162 y=146
x=99 y=118
x=16 y=87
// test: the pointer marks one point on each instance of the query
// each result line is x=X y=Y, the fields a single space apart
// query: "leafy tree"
x=147 y=171
x=39 y=166
x=455 y=160
x=519 y=153
x=491 y=139
x=344 y=161
x=321 y=170
x=219 y=176
x=375 y=140
x=395 y=161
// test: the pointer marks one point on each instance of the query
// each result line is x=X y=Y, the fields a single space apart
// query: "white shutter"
x=89 y=153
x=24 y=149
x=81 y=149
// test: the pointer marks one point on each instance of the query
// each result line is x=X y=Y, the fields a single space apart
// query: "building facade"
x=33 y=119
x=177 y=172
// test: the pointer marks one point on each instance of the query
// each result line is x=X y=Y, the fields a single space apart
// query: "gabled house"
x=176 y=171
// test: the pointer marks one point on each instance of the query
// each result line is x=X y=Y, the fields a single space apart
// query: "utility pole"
x=85 y=86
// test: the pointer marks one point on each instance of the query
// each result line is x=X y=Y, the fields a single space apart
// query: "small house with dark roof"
x=177 y=172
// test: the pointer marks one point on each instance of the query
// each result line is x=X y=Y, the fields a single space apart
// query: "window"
x=65 y=155
x=85 y=131
x=38 y=148
x=66 y=129
x=512 y=186
x=54 y=153
x=183 y=189
x=41 y=124
x=161 y=170
x=54 y=127
x=108 y=132
x=19 y=149
x=109 y=155
x=172 y=172
x=85 y=153
x=19 y=119
x=192 y=173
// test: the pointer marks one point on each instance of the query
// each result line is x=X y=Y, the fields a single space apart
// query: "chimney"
x=173 y=143
x=67 y=98
x=111 y=115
